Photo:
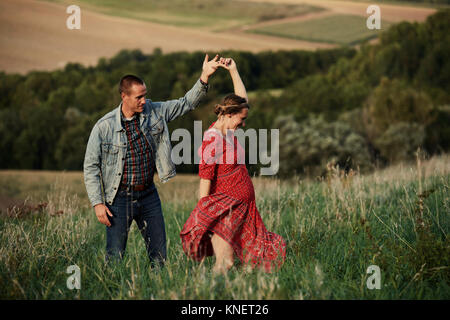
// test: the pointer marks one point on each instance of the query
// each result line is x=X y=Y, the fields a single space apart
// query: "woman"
x=225 y=221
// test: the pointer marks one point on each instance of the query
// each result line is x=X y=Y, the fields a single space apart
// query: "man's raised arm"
x=173 y=109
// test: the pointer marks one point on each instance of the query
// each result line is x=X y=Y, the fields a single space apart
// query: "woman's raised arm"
x=239 y=87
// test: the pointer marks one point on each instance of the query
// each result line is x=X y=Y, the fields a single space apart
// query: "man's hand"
x=102 y=212
x=209 y=67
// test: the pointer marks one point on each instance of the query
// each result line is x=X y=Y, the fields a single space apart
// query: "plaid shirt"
x=139 y=163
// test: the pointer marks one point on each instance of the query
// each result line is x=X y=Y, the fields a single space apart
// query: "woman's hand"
x=228 y=63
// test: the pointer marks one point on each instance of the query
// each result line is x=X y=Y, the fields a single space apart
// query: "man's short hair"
x=127 y=81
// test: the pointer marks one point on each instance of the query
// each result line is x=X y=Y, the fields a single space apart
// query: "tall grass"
x=335 y=228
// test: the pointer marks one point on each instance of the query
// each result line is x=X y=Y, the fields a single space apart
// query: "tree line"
x=46 y=117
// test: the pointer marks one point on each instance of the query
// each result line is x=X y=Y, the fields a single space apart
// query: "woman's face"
x=236 y=120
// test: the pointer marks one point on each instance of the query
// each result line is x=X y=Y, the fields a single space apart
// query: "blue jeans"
x=145 y=208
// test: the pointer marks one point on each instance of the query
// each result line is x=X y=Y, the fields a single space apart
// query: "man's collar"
x=118 y=124
x=122 y=116
x=119 y=117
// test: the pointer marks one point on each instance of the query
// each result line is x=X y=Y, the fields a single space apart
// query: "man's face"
x=134 y=101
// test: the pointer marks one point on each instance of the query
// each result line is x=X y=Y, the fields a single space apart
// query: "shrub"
x=308 y=147
x=400 y=141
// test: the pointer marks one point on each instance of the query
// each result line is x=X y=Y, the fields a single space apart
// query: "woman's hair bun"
x=232 y=103
x=218 y=109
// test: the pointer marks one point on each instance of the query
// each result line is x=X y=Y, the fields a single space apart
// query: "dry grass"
x=334 y=229
x=25 y=191
x=35 y=185
x=28 y=187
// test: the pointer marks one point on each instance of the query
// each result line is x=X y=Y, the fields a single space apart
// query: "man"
x=124 y=149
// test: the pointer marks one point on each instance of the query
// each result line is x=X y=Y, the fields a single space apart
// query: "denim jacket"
x=107 y=145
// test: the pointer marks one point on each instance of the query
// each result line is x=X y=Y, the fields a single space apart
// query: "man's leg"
x=150 y=221
x=117 y=233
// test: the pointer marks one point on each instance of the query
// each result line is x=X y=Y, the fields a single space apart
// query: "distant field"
x=340 y=29
x=33 y=34
x=389 y=11
x=210 y=15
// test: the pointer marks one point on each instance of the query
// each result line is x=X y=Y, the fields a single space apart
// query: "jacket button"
x=119 y=173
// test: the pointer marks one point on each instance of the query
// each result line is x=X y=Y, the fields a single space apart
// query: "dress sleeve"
x=209 y=154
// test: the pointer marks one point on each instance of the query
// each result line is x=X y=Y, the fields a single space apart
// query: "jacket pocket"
x=110 y=153
x=156 y=130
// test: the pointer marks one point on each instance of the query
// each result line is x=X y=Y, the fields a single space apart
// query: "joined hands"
x=209 y=67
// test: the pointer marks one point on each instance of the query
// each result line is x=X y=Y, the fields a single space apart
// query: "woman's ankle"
x=223 y=266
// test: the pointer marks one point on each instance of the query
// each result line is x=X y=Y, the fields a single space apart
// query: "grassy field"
x=397 y=218
x=340 y=29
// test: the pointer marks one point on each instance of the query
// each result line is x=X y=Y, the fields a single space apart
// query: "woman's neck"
x=220 y=125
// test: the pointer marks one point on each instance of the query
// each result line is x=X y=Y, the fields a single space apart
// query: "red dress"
x=229 y=210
